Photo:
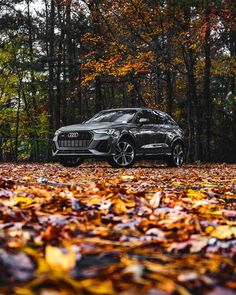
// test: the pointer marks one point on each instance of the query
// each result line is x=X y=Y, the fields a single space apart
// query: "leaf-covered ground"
x=97 y=230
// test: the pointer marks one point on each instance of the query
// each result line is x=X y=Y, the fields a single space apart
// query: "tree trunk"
x=30 y=40
x=233 y=83
x=59 y=69
x=50 y=57
x=17 y=126
x=51 y=67
x=33 y=87
x=64 y=102
x=169 y=90
x=79 y=93
x=124 y=96
x=194 y=102
x=206 y=87
x=70 y=60
x=98 y=95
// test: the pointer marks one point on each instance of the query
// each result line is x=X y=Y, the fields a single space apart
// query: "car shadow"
x=138 y=165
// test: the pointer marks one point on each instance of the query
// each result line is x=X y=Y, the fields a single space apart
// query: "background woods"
x=62 y=61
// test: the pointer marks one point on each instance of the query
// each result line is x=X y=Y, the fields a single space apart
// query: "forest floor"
x=97 y=230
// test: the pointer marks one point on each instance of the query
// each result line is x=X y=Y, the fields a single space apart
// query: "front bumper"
x=101 y=145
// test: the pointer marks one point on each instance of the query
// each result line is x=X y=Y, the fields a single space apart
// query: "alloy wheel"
x=178 y=155
x=124 y=154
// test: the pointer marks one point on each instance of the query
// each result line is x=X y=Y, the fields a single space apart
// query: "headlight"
x=105 y=131
x=57 y=132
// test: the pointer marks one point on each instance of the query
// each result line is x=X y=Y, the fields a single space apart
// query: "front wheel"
x=124 y=155
x=71 y=162
x=177 y=156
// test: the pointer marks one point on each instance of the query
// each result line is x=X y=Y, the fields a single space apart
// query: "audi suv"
x=121 y=136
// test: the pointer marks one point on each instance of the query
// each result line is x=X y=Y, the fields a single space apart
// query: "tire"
x=71 y=162
x=177 y=155
x=125 y=155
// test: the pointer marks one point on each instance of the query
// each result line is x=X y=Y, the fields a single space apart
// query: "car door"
x=146 y=136
x=161 y=130
x=171 y=131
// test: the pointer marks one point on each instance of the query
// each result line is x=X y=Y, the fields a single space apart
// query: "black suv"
x=121 y=136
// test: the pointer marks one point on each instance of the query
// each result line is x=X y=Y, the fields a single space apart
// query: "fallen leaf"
x=223 y=232
x=187 y=276
x=16 y=268
x=92 y=286
x=156 y=200
x=118 y=207
x=61 y=259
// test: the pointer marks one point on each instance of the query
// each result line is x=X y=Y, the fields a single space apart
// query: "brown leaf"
x=15 y=268
x=156 y=200
x=118 y=207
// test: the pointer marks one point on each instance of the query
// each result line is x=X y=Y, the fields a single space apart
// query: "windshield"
x=122 y=116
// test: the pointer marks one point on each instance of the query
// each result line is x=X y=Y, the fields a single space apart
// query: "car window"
x=123 y=116
x=143 y=114
x=158 y=118
x=154 y=117
x=170 y=121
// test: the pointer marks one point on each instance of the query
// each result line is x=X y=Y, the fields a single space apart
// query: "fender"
x=126 y=133
x=179 y=140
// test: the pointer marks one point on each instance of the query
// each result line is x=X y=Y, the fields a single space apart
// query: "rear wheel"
x=71 y=162
x=124 y=155
x=177 y=156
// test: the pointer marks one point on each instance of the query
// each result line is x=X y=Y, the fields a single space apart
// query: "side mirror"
x=143 y=121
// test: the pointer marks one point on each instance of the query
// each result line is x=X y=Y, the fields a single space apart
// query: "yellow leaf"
x=127 y=177
x=60 y=259
x=195 y=194
x=97 y=287
x=118 y=207
x=24 y=200
x=176 y=183
x=209 y=229
x=223 y=232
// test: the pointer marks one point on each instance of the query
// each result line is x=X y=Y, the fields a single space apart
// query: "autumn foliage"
x=98 y=230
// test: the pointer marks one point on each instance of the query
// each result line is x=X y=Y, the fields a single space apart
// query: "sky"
x=36 y=5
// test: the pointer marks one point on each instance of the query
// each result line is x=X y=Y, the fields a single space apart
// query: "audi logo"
x=73 y=134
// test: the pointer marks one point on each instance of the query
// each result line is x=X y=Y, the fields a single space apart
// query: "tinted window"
x=153 y=116
x=122 y=116
x=170 y=121
x=158 y=118
x=143 y=114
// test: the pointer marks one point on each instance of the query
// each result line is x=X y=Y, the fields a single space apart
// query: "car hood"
x=93 y=126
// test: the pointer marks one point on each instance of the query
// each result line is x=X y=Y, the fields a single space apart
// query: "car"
x=121 y=136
